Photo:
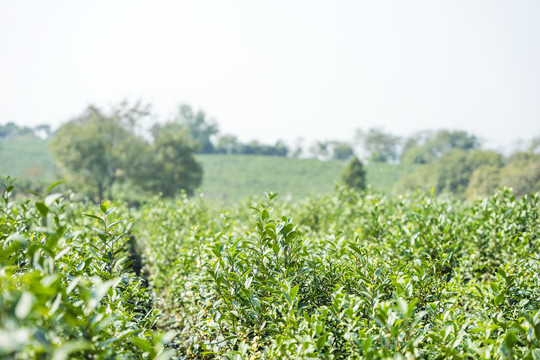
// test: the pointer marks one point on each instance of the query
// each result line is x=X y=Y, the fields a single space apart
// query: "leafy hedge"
x=66 y=289
x=355 y=276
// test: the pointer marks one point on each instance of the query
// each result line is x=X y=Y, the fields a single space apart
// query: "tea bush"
x=356 y=276
x=352 y=275
x=66 y=289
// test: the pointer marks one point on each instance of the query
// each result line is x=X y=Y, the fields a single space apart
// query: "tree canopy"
x=196 y=125
x=379 y=145
x=168 y=165
x=354 y=174
x=99 y=149
x=427 y=147
x=91 y=151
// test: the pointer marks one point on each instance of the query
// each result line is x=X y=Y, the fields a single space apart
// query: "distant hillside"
x=26 y=157
x=232 y=177
x=226 y=177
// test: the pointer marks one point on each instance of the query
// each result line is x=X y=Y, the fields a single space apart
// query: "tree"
x=354 y=174
x=423 y=179
x=168 y=165
x=197 y=126
x=320 y=150
x=341 y=150
x=414 y=151
x=457 y=171
x=478 y=158
x=228 y=144
x=522 y=173
x=93 y=151
x=455 y=168
x=43 y=131
x=453 y=172
x=484 y=182
x=417 y=155
x=427 y=147
x=280 y=148
x=378 y=145
x=534 y=146
x=446 y=140
x=253 y=147
x=98 y=150
x=12 y=130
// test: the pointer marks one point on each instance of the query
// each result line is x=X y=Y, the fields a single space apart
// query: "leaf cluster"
x=359 y=276
x=66 y=288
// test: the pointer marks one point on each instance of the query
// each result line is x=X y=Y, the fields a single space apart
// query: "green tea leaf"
x=42 y=208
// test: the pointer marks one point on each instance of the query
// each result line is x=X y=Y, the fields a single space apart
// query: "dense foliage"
x=99 y=149
x=354 y=174
x=66 y=288
x=352 y=275
x=476 y=174
x=349 y=276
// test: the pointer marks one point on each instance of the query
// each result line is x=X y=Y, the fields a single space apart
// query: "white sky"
x=280 y=69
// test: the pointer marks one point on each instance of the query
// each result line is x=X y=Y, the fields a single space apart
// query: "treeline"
x=210 y=140
x=105 y=149
x=200 y=128
x=477 y=173
x=102 y=149
x=451 y=161
x=455 y=162
x=12 y=130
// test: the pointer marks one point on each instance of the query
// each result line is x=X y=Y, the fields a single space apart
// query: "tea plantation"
x=227 y=178
x=350 y=275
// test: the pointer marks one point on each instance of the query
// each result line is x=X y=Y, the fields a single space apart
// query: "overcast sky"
x=280 y=69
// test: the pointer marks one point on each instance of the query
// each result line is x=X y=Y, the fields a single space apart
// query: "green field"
x=234 y=177
x=26 y=157
x=348 y=275
x=226 y=178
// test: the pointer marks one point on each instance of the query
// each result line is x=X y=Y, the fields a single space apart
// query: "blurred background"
x=231 y=99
